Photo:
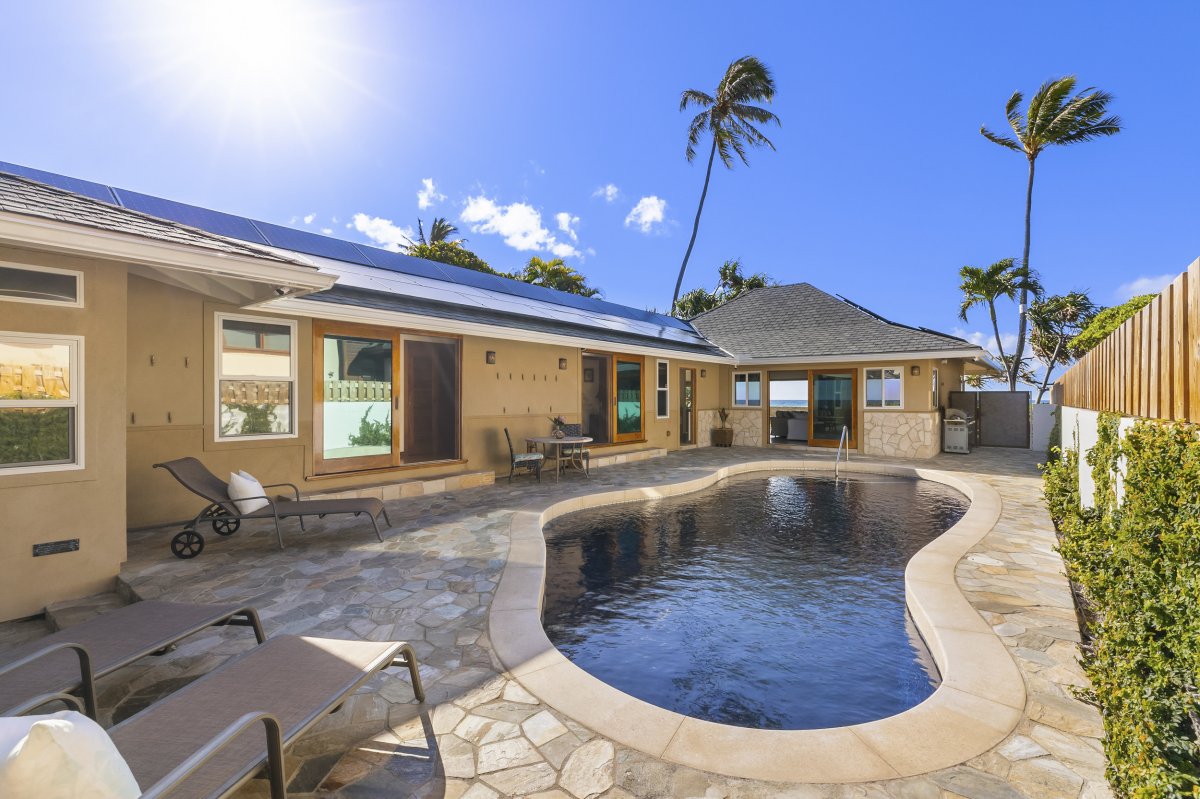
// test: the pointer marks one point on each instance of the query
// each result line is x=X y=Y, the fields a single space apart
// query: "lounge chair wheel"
x=187 y=544
x=221 y=524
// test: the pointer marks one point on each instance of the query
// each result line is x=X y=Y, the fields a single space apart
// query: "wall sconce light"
x=704 y=373
x=562 y=363
x=491 y=356
x=915 y=371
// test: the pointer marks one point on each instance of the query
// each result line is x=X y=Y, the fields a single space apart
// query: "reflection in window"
x=38 y=402
x=629 y=397
x=884 y=388
x=41 y=285
x=256 y=379
x=747 y=390
x=357 y=409
x=664 y=399
x=430 y=399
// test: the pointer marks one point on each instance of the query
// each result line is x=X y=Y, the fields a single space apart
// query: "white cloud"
x=1145 y=284
x=988 y=340
x=648 y=212
x=328 y=231
x=568 y=224
x=608 y=191
x=308 y=218
x=383 y=232
x=519 y=223
x=428 y=194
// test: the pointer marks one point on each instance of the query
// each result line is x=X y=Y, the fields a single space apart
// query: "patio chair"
x=203 y=740
x=530 y=461
x=225 y=517
x=573 y=454
x=61 y=664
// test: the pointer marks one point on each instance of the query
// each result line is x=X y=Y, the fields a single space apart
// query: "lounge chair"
x=225 y=517
x=68 y=661
x=530 y=461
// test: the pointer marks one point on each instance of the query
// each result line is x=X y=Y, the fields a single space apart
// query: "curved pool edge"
x=980 y=700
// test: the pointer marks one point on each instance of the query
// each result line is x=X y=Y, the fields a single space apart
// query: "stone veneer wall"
x=747 y=427
x=901 y=434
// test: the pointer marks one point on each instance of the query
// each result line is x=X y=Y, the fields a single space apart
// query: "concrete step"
x=70 y=612
x=402 y=489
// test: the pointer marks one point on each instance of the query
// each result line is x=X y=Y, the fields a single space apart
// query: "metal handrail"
x=843 y=439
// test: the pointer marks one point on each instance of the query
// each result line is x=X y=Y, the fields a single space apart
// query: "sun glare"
x=268 y=64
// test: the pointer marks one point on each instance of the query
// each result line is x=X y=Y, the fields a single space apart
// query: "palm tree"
x=1054 y=117
x=439 y=231
x=730 y=118
x=730 y=283
x=985 y=285
x=1054 y=321
x=555 y=274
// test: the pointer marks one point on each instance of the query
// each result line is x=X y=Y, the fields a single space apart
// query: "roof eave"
x=972 y=354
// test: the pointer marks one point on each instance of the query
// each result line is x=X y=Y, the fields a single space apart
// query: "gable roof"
x=803 y=323
x=23 y=196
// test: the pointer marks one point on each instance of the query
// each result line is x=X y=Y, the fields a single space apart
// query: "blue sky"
x=320 y=113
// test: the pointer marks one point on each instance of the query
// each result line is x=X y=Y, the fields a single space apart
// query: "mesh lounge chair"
x=69 y=661
x=225 y=517
x=530 y=461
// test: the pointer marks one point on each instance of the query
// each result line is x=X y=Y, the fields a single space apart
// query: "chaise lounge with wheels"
x=65 y=663
x=224 y=515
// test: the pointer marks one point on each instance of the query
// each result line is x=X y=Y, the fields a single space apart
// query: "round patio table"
x=551 y=441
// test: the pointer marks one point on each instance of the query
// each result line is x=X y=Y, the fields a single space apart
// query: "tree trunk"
x=1050 y=368
x=1023 y=310
x=996 y=329
x=695 y=226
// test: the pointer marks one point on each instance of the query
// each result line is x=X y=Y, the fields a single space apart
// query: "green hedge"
x=1138 y=564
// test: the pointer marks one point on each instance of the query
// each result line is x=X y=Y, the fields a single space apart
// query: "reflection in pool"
x=772 y=601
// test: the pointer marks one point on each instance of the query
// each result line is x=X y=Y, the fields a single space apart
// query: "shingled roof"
x=19 y=195
x=800 y=321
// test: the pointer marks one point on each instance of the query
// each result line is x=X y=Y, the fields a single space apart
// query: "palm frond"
x=695 y=130
x=752 y=112
x=1003 y=141
x=1012 y=112
x=691 y=97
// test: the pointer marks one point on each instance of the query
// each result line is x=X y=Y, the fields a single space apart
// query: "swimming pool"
x=768 y=600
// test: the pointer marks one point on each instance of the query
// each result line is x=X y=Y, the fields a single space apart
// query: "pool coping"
x=980 y=700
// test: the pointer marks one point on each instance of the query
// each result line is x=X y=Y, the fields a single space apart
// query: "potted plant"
x=723 y=436
x=558 y=424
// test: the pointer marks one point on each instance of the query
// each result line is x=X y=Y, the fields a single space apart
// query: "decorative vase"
x=722 y=437
x=559 y=433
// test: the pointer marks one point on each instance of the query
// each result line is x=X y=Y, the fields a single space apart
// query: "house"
x=135 y=329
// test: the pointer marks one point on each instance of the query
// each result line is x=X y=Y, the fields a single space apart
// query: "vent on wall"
x=56 y=547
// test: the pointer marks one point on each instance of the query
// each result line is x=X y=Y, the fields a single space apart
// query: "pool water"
x=768 y=600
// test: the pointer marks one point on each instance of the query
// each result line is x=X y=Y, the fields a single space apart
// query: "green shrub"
x=372 y=433
x=1138 y=564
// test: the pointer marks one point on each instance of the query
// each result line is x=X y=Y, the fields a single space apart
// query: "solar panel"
x=97 y=191
x=223 y=224
x=311 y=243
x=551 y=303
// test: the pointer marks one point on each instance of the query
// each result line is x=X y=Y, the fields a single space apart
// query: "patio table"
x=551 y=441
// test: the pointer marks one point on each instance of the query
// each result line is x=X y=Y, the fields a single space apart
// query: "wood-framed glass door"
x=356 y=389
x=687 y=407
x=384 y=397
x=831 y=406
x=629 y=398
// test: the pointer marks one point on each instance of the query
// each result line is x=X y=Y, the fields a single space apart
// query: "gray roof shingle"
x=19 y=195
x=801 y=321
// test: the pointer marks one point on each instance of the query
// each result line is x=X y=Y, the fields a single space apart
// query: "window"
x=664 y=395
x=41 y=284
x=747 y=390
x=884 y=387
x=256 y=377
x=41 y=403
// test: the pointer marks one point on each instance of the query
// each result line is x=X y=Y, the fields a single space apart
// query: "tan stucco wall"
x=88 y=504
x=521 y=391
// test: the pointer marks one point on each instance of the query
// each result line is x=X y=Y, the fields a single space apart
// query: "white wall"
x=1041 y=423
x=1080 y=432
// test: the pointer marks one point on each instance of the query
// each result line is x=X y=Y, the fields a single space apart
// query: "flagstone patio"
x=480 y=735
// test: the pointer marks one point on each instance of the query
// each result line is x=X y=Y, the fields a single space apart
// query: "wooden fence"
x=1150 y=365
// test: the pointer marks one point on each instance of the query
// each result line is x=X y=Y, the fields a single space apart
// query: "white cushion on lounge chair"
x=61 y=756
x=242 y=486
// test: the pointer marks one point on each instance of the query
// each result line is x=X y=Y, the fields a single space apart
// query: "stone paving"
x=480 y=735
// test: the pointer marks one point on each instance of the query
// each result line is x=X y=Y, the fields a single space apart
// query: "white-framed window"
x=663 y=392
x=43 y=285
x=747 y=390
x=884 y=387
x=41 y=403
x=256 y=377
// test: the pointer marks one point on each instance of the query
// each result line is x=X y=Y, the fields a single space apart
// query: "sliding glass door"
x=613 y=398
x=687 y=407
x=629 y=400
x=831 y=408
x=383 y=398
